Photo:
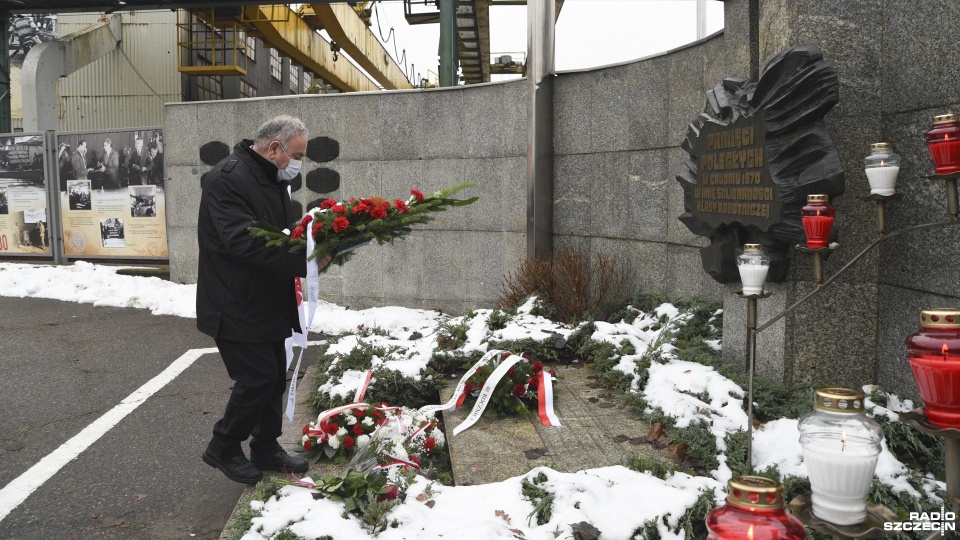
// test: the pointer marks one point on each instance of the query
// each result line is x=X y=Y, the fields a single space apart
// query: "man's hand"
x=323 y=261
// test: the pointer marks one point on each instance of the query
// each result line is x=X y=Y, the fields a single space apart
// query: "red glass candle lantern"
x=817 y=218
x=754 y=511
x=943 y=141
x=934 y=354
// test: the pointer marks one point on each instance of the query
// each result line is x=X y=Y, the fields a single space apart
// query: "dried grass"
x=567 y=282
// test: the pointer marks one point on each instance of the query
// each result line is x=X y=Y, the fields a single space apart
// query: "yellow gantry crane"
x=213 y=42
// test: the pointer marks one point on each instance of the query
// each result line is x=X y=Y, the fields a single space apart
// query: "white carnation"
x=362 y=440
x=341 y=432
x=367 y=421
x=333 y=442
x=351 y=420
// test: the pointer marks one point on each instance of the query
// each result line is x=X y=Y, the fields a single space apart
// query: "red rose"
x=307 y=445
x=327 y=203
x=429 y=444
x=537 y=366
x=360 y=208
x=553 y=373
x=306 y=428
x=418 y=194
x=469 y=388
x=357 y=429
x=389 y=495
x=297 y=233
x=306 y=221
x=331 y=428
x=532 y=381
x=348 y=442
x=401 y=206
x=510 y=372
x=316 y=227
x=339 y=209
x=340 y=224
x=377 y=212
x=519 y=390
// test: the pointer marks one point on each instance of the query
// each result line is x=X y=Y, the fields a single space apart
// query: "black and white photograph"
x=4 y=204
x=33 y=229
x=26 y=31
x=112 y=160
x=78 y=194
x=111 y=233
x=143 y=201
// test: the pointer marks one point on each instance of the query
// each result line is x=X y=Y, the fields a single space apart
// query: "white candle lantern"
x=882 y=167
x=840 y=449
x=753 y=264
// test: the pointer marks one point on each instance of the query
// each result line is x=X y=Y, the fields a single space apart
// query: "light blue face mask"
x=293 y=168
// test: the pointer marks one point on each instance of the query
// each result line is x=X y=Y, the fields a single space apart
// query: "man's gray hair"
x=280 y=128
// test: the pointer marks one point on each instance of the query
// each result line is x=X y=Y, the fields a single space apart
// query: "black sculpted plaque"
x=754 y=154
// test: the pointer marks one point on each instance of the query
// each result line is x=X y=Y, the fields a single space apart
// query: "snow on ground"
x=614 y=499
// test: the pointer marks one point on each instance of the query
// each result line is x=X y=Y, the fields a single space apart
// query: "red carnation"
x=306 y=220
x=469 y=388
x=415 y=459
x=331 y=428
x=553 y=373
x=380 y=421
x=297 y=233
x=340 y=224
x=306 y=428
x=358 y=413
x=339 y=209
x=307 y=445
x=418 y=194
x=327 y=203
x=348 y=442
x=357 y=429
x=429 y=444
x=401 y=206
x=360 y=208
x=377 y=414
x=316 y=227
x=519 y=390
x=389 y=495
x=537 y=366
x=377 y=212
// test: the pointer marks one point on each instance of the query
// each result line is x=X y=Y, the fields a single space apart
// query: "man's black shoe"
x=280 y=461
x=236 y=468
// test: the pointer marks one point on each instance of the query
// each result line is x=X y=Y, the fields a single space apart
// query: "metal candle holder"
x=952 y=447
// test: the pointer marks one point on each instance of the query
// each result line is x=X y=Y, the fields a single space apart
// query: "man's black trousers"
x=255 y=406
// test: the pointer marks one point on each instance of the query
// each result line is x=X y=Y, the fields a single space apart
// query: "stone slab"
x=593 y=423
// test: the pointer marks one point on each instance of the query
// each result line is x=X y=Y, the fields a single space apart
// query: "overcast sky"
x=590 y=33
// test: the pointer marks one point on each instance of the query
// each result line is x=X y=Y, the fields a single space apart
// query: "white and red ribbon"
x=362 y=390
x=545 y=399
x=313 y=298
x=455 y=400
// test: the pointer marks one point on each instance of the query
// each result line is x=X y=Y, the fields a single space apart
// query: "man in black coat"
x=245 y=294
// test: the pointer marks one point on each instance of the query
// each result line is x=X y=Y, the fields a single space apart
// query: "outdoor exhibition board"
x=23 y=196
x=112 y=194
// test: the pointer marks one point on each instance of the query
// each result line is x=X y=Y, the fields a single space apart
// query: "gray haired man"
x=245 y=294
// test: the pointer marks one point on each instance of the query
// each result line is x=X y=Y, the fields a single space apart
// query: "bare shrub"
x=567 y=282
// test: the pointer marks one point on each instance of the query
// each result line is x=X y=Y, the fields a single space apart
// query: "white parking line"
x=17 y=491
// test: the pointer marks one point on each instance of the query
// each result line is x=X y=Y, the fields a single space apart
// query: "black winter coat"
x=245 y=290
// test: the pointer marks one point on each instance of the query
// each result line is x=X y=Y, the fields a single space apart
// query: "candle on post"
x=754 y=509
x=943 y=141
x=882 y=167
x=753 y=265
x=817 y=218
x=841 y=447
x=935 y=362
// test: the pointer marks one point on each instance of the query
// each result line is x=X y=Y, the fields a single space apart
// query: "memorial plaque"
x=755 y=153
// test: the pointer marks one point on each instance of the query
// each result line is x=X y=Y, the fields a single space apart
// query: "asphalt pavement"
x=63 y=366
